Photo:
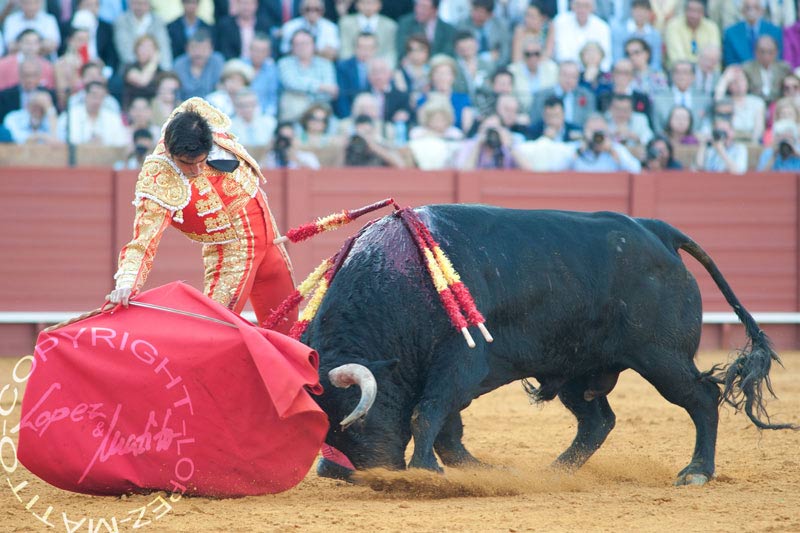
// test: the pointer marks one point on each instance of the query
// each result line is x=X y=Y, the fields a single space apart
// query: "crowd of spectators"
x=542 y=85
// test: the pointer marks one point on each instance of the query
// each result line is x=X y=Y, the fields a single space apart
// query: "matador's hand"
x=120 y=296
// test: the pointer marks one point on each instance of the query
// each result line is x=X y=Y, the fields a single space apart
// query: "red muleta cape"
x=144 y=399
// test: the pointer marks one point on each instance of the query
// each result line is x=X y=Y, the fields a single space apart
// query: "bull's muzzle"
x=355 y=374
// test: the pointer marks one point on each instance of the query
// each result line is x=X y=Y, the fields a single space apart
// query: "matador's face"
x=191 y=166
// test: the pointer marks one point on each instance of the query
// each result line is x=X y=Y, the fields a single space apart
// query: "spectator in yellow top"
x=686 y=35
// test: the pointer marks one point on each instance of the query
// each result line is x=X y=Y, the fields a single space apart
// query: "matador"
x=202 y=181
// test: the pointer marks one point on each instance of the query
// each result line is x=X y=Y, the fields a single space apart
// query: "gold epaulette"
x=162 y=182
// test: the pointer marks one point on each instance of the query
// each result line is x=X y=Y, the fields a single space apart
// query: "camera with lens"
x=493 y=140
x=652 y=153
x=495 y=144
x=597 y=140
x=356 y=151
x=281 y=146
x=719 y=135
x=785 y=149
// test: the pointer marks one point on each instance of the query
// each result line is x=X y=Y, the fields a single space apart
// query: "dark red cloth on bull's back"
x=145 y=399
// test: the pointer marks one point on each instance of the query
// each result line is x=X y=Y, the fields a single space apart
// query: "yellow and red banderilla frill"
x=454 y=295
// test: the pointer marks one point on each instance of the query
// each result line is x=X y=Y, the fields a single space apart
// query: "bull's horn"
x=354 y=374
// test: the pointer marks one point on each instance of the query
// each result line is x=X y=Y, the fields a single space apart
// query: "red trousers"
x=251 y=268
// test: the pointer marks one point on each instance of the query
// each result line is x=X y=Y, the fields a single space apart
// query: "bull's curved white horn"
x=355 y=374
x=280 y=240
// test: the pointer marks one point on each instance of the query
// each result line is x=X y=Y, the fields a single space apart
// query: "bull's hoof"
x=332 y=470
x=431 y=466
x=691 y=479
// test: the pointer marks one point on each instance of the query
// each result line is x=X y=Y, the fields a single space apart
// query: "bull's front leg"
x=426 y=422
x=453 y=379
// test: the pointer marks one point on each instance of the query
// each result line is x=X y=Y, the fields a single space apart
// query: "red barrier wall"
x=64 y=228
x=56 y=237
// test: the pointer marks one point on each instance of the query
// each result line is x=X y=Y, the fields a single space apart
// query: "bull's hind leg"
x=678 y=380
x=595 y=422
x=449 y=446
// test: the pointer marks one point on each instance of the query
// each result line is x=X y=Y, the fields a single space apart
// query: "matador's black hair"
x=188 y=134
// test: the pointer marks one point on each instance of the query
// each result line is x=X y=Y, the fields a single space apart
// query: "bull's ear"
x=383 y=368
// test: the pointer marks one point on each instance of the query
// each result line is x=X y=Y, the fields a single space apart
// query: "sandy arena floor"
x=627 y=486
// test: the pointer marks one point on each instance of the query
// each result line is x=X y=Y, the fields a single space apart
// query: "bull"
x=572 y=299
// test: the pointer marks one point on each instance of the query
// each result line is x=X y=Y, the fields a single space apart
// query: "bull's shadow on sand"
x=516 y=478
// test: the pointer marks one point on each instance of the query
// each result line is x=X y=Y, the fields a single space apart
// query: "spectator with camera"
x=365 y=149
x=659 y=155
x=490 y=148
x=626 y=126
x=783 y=155
x=143 y=144
x=507 y=109
x=284 y=152
x=721 y=153
x=597 y=152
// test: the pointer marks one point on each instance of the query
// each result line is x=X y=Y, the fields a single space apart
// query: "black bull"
x=572 y=300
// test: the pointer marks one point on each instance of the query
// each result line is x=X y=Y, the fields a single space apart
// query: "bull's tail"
x=745 y=378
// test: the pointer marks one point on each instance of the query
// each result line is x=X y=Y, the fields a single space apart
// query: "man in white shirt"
x=575 y=28
x=31 y=16
x=325 y=32
x=91 y=123
x=597 y=152
x=720 y=153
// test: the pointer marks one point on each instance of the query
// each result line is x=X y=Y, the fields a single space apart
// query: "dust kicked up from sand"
x=514 y=479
